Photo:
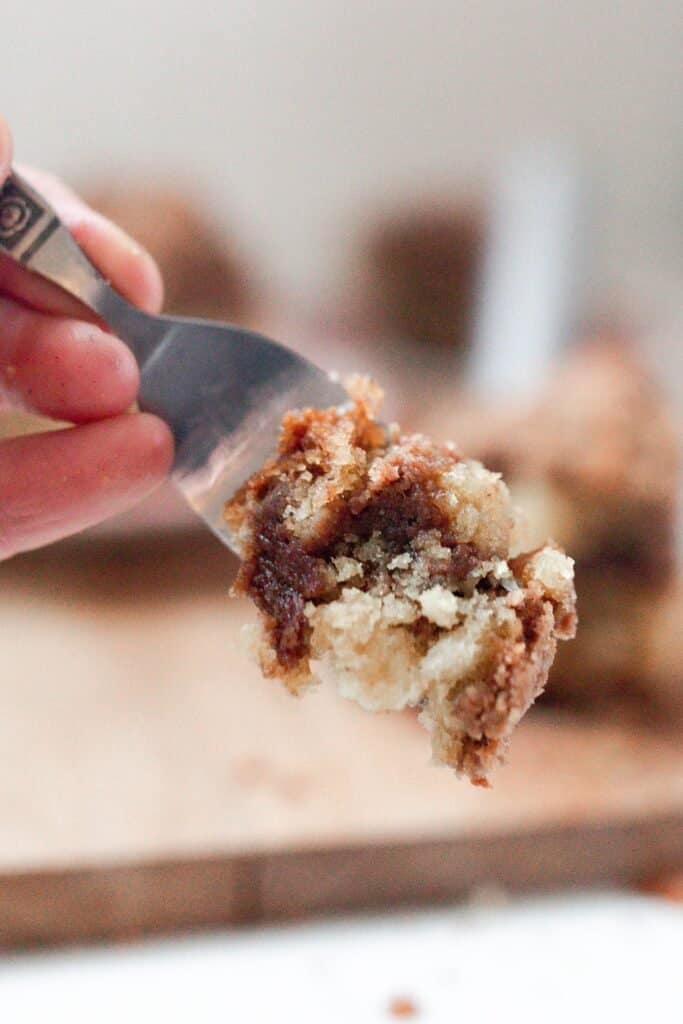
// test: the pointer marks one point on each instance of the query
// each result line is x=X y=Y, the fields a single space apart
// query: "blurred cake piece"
x=609 y=660
x=629 y=650
x=617 y=463
x=418 y=274
x=595 y=464
x=662 y=655
x=204 y=275
x=381 y=562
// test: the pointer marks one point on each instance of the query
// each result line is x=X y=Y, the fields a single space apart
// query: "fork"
x=223 y=390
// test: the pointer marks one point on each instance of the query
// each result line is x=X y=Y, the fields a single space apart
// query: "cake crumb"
x=403 y=1007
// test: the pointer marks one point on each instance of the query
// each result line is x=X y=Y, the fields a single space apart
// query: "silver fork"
x=222 y=390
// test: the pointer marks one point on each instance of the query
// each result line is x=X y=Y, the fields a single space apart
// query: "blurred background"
x=480 y=205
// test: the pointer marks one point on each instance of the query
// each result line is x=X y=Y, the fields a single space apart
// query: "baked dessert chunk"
x=628 y=655
x=380 y=562
x=417 y=273
x=204 y=271
x=594 y=463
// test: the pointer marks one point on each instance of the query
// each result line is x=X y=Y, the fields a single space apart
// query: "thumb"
x=5 y=150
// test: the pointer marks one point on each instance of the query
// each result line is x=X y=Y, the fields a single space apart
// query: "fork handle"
x=32 y=233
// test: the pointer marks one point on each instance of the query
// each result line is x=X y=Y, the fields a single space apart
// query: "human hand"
x=55 y=359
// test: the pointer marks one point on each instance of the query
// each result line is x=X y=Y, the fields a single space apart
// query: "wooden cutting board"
x=152 y=780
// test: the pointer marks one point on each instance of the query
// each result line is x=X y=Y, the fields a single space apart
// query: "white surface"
x=296 y=116
x=611 y=957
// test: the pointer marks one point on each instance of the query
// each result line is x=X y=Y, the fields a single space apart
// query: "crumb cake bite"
x=381 y=562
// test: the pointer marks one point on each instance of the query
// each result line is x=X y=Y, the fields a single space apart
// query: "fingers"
x=55 y=484
x=124 y=263
x=66 y=369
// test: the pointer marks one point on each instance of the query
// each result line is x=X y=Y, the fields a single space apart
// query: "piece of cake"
x=204 y=272
x=628 y=656
x=607 y=663
x=593 y=463
x=417 y=272
x=380 y=562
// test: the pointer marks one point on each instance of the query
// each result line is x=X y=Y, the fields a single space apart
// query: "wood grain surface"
x=153 y=780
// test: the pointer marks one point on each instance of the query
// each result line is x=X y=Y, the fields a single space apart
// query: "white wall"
x=291 y=115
